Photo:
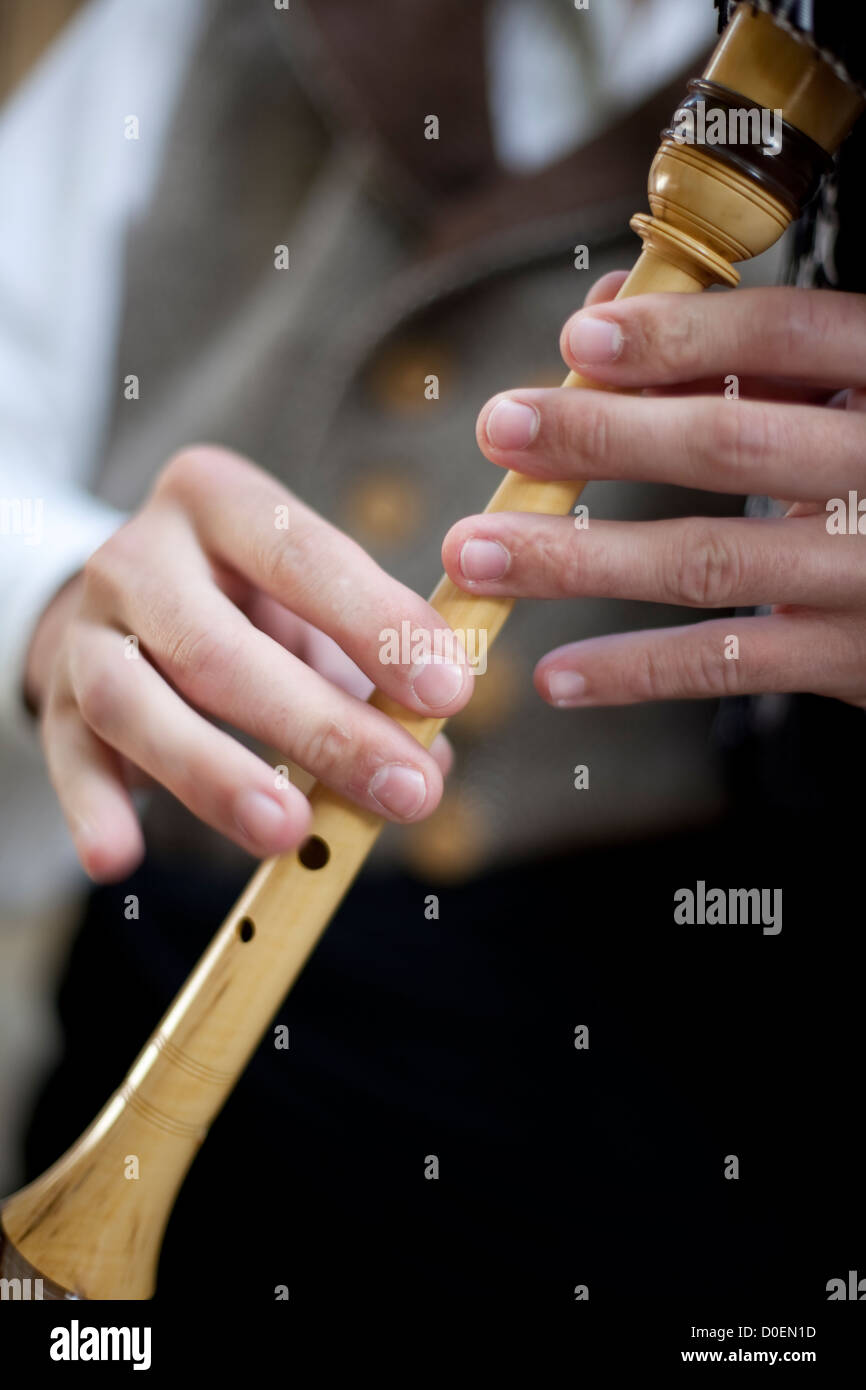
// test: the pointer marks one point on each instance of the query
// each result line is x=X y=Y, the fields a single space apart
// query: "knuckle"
x=282 y=557
x=99 y=697
x=279 y=556
x=118 y=563
x=647 y=676
x=706 y=568
x=691 y=668
x=577 y=568
x=593 y=433
x=663 y=340
x=805 y=318
x=100 y=570
x=741 y=436
x=323 y=748
x=275 y=558
x=565 y=580
x=197 y=658
x=709 y=673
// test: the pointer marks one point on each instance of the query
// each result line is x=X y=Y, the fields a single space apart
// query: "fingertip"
x=297 y=825
x=404 y=792
x=271 y=823
x=604 y=291
x=508 y=423
x=484 y=414
x=590 y=342
x=443 y=687
x=110 y=858
x=302 y=821
x=559 y=685
x=540 y=682
x=452 y=547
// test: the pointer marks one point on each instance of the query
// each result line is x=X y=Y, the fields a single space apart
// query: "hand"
x=203 y=604
x=792 y=351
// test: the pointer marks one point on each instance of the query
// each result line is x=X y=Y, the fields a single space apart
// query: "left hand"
x=790 y=435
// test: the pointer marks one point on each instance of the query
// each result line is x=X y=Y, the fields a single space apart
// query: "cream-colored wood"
x=85 y=1224
x=775 y=68
x=716 y=206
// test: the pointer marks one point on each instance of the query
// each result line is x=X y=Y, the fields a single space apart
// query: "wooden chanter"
x=82 y=1227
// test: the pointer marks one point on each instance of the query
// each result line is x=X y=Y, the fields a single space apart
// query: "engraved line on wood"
x=158 y=1117
x=189 y=1064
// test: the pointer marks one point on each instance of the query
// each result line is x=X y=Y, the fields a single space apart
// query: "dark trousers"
x=558 y=1166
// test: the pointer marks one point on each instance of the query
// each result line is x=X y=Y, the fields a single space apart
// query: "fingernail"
x=594 y=341
x=437 y=683
x=483 y=560
x=512 y=425
x=260 y=817
x=565 y=687
x=398 y=789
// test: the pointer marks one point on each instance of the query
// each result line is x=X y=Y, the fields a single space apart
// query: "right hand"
x=223 y=606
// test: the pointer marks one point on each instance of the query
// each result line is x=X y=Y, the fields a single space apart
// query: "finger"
x=313 y=569
x=89 y=783
x=128 y=705
x=271 y=617
x=699 y=562
x=727 y=656
x=309 y=643
x=606 y=288
x=331 y=662
x=321 y=652
x=732 y=446
x=817 y=336
x=226 y=667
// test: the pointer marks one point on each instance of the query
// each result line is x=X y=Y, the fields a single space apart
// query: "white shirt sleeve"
x=81 y=146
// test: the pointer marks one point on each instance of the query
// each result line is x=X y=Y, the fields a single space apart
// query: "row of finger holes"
x=314 y=853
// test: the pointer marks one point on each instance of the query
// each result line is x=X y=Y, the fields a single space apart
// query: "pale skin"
x=274 y=631
x=277 y=632
x=779 y=439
